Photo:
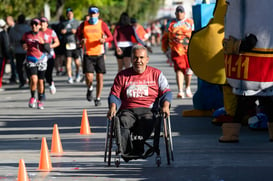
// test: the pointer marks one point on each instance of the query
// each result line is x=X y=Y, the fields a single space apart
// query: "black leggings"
x=49 y=70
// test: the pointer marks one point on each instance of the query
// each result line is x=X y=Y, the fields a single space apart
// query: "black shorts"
x=34 y=71
x=73 y=53
x=94 y=63
x=127 y=51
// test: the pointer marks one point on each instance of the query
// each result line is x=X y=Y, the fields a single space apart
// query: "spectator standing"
x=68 y=30
x=51 y=41
x=60 y=50
x=141 y=32
x=176 y=38
x=36 y=62
x=93 y=33
x=13 y=78
x=15 y=36
x=4 y=48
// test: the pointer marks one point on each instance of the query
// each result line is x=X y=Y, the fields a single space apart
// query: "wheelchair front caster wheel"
x=117 y=163
x=158 y=161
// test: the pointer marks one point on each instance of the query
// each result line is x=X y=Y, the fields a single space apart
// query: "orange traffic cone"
x=45 y=162
x=22 y=172
x=85 y=128
x=56 y=145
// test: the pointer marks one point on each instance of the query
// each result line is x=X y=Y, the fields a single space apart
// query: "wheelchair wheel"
x=117 y=161
x=111 y=125
x=158 y=160
x=168 y=140
x=106 y=140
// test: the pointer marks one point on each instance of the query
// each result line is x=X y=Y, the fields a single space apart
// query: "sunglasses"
x=179 y=11
x=32 y=24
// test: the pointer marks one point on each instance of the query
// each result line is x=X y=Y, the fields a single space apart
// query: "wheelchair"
x=151 y=145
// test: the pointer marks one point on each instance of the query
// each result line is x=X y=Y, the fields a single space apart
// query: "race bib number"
x=134 y=91
x=70 y=46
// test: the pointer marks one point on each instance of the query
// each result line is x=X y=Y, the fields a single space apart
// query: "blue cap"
x=93 y=10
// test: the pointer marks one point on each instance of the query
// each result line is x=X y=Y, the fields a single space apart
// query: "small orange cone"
x=85 y=128
x=56 y=145
x=22 y=172
x=45 y=162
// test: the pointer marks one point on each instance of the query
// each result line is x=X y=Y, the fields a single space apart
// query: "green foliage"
x=110 y=10
x=31 y=8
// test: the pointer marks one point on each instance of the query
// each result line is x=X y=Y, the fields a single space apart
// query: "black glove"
x=47 y=47
x=248 y=43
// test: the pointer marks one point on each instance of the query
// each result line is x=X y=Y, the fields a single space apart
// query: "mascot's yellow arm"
x=205 y=53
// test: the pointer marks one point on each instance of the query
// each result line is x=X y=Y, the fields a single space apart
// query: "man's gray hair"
x=139 y=47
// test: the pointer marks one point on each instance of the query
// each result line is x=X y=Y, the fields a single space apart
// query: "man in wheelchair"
x=136 y=95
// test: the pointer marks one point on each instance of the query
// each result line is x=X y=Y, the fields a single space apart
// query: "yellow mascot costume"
x=206 y=58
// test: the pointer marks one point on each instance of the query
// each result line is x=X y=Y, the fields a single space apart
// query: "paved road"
x=198 y=155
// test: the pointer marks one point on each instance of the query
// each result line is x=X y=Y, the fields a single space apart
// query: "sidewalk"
x=198 y=154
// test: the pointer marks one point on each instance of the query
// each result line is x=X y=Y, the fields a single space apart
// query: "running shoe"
x=78 y=78
x=52 y=88
x=70 y=80
x=89 y=95
x=188 y=92
x=180 y=95
x=40 y=105
x=97 y=102
x=32 y=102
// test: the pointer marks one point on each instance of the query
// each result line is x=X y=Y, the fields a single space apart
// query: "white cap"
x=2 y=23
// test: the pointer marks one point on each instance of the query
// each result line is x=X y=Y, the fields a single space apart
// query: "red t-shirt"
x=33 y=46
x=139 y=90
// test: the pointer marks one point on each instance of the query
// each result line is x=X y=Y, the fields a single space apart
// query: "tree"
x=31 y=8
x=110 y=10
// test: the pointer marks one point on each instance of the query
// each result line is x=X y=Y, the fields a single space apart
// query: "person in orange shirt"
x=93 y=33
x=141 y=32
x=176 y=37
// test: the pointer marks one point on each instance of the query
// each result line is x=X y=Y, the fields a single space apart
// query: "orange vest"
x=93 y=34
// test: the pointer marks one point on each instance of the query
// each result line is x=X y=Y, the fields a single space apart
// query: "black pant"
x=49 y=71
x=246 y=103
x=136 y=126
x=20 y=67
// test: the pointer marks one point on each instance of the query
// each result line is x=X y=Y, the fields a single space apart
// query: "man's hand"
x=119 y=51
x=74 y=31
x=102 y=40
x=112 y=111
x=83 y=41
x=166 y=109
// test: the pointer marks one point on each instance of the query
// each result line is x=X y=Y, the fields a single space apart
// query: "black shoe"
x=97 y=102
x=89 y=96
x=21 y=86
x=12 y=81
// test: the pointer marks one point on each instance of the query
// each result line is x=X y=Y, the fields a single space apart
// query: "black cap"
x=180 y=9
x=133 y=20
